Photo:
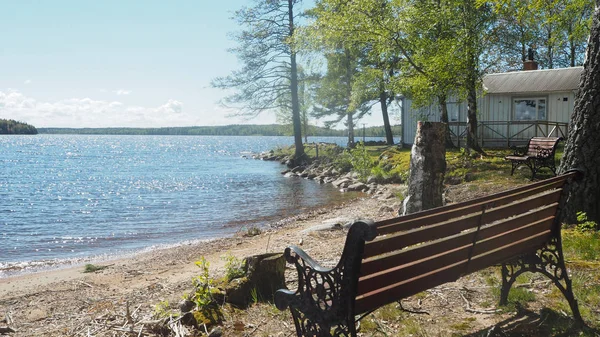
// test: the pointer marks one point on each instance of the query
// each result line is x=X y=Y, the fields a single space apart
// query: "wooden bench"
x=538 y=153
x=383 y=262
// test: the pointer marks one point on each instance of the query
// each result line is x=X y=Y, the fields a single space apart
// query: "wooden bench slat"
x=368 y=283
x=403 y=223
x=406 y=218
x=392 y=293
x=401 y=240
x=377 y=264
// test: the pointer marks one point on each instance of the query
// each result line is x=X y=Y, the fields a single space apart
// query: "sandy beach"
x=68 y=302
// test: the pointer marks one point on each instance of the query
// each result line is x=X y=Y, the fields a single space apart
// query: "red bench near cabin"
x=538 y=153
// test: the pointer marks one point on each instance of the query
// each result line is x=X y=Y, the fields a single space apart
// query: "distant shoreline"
x=226 y=130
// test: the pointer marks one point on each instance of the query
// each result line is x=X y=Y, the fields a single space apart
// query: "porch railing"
x=507 y=134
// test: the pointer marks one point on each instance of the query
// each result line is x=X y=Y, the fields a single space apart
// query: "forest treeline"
x=12 y=127
x=226 y=130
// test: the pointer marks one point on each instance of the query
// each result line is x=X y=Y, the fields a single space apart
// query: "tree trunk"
x=471 y=76
x=444 y=119
x=263 y=276
x=582 y=149
x=472 y=141
x=383 y=97
x=299 y=155
x=349 y=75
x=427 y=168
x=350 y=130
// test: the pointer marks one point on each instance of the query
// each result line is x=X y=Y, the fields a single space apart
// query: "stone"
x=357 y=187
x=37 y=314
x=385 y=195
x=341 y=182
x=386 y=209
x=331 y=224
x=453 y=180
x=427 y=168
x=216 y=332
x=298 y=169
x=186 y=306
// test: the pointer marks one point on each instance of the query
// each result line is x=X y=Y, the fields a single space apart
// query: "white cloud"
x=171 y=107
x=122 y=92
x=27 y=82
x=87 y=112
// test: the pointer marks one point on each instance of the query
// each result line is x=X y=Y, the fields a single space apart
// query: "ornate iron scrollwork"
x=323 y=304
x=549 y=261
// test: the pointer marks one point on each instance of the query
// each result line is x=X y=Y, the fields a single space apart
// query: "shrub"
x=583 y=224
x=203 y=284
x=357 y=159
x=234 y=267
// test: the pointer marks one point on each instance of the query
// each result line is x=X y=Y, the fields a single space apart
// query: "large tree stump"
x=264 y=274
x=427 y=168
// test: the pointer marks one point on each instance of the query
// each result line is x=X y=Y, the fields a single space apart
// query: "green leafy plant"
x=203 y=284
x=254 y=295
x=162 y=309
x=234 y=267
x=584 y=224
x=92 y=268
x=357 y=160
x=253 y=231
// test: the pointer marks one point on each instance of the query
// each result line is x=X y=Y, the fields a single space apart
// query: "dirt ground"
x=120 y=300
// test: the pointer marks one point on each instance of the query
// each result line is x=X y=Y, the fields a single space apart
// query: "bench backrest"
x=542 y=146
x=423 y=250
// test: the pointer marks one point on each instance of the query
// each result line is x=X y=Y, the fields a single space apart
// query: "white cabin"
x=514 y=107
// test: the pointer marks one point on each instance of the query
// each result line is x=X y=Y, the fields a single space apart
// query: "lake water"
x=68 y=198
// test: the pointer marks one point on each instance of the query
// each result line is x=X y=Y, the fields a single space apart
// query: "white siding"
x=493 y=108
x=412 y=115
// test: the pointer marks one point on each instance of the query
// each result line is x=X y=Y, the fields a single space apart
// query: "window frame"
x=537 y=100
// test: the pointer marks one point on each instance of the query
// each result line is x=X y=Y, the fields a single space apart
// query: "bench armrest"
x=519 y=150
x=308 y=269
x=325 y=291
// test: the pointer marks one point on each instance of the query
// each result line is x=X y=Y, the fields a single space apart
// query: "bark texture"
x=582 y=149
x=299 y=155
x=383 y=100
x=427 y=168
x=444 y=119
x=264 y=276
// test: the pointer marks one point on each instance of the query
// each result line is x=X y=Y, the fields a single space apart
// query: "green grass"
x=581 y=246
x=92 y=268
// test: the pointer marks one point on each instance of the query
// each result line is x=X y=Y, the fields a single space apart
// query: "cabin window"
x=529 y=109
x=453 y=112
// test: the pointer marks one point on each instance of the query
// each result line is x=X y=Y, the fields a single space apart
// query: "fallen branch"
x=86 y=284
x=475 y=311
x=412 y=311
x=531 y=284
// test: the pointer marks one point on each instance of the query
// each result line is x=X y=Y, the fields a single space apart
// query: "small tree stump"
x=427 y=168
x=264 y=274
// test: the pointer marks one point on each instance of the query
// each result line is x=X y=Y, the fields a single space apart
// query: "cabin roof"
x=547 y=80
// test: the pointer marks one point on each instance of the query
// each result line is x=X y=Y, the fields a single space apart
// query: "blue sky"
x=117 y=63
